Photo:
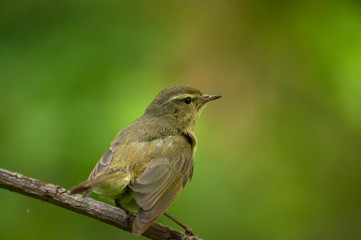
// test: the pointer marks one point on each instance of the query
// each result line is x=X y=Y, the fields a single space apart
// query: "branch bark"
x=98 y=210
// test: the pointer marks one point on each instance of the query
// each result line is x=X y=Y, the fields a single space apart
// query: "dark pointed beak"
x=207 y=98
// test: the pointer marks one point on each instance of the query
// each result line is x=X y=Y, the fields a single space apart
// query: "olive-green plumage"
x=150 y=160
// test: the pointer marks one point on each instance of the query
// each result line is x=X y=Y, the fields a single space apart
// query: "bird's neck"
x=165 y=127
x=192 y=139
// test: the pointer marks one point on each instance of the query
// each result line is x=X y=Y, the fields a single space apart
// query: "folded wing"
x=160 y=184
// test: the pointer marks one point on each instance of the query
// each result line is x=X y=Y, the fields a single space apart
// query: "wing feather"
x=155 y=170
x=160 y=183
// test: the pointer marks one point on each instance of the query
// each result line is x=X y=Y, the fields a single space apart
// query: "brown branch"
x=83 y=205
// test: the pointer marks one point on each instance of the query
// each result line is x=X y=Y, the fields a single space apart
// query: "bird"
x=150 y=160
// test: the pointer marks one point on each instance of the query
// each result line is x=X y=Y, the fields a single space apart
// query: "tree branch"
x=83 y=205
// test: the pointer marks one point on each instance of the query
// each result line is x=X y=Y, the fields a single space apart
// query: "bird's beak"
x=207 y=98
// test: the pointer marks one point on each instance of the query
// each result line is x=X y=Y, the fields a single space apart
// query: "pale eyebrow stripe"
x=179 y=96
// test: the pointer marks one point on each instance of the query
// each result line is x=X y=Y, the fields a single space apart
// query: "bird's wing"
x=103 y=173
x=102 y=166
x=162 y=180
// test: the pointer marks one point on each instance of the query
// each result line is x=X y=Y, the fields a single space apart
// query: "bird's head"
x=180 y=106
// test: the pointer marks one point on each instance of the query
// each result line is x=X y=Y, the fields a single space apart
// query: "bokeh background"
x=279 y=156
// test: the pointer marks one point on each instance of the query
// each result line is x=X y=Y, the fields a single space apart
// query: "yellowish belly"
x=113 y=189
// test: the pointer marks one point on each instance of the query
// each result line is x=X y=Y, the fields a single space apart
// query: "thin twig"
x=98 y=210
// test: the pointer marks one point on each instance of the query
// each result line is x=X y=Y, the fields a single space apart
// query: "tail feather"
x=100 y=180
x=83 y=187
x=80 y=188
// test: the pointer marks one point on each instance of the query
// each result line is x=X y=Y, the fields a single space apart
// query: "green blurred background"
x=279 y=156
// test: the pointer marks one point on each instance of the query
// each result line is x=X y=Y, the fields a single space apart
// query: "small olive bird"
x=151 y=160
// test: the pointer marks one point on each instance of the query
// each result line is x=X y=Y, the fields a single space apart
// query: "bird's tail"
x=82 y=187
x=102 y=179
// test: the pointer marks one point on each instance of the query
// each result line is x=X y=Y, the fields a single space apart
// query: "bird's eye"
x=187 y=100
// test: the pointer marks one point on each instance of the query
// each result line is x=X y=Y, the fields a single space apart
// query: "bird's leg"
x=117 y=203
x=188 y=229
